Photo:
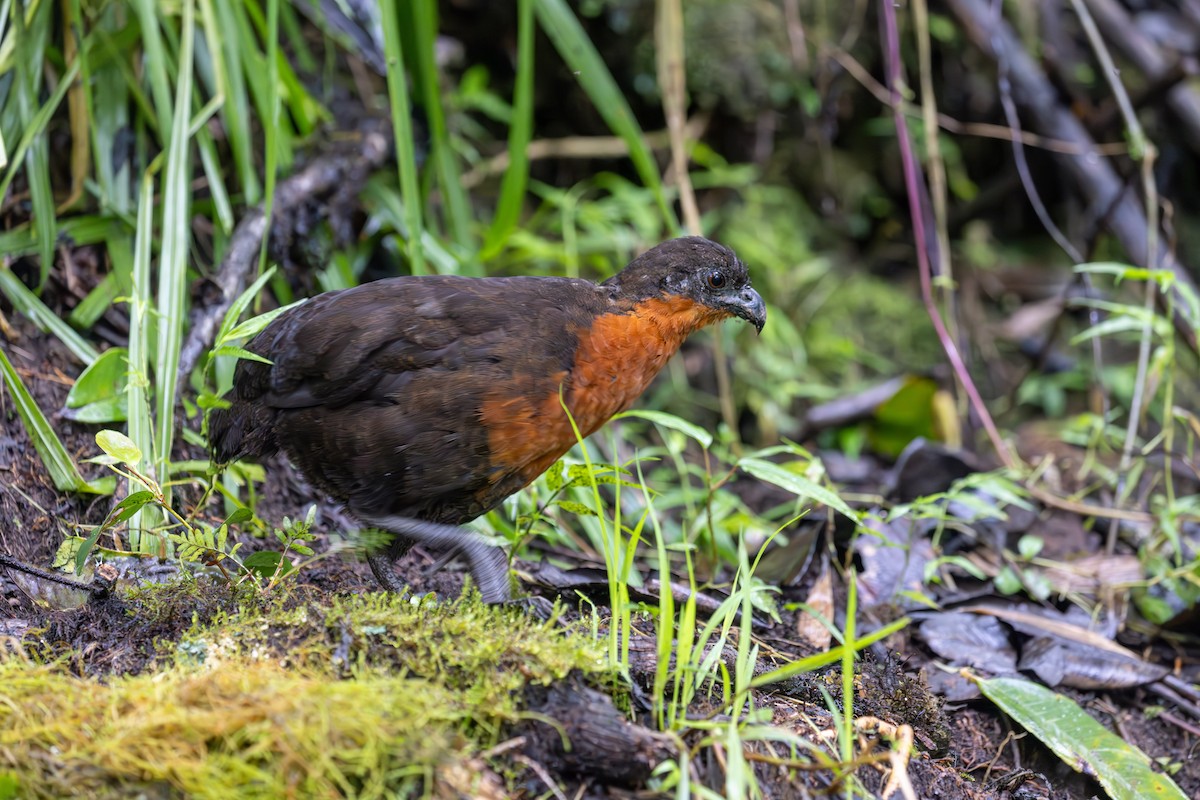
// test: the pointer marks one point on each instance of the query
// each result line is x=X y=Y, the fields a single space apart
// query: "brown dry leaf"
x=1091 y=575
x=820 y=599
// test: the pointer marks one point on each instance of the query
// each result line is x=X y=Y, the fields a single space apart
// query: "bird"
x=422 y=402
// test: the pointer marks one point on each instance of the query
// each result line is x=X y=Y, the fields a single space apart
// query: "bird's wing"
x=369 y=343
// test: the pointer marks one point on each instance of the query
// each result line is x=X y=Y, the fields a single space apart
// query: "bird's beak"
x=749 y=305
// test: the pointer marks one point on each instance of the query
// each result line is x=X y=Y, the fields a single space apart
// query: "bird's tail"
x=241 y=430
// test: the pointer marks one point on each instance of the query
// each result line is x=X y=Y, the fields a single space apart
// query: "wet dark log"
x=588 y=737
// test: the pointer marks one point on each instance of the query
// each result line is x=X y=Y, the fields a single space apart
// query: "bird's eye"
x=716 y=280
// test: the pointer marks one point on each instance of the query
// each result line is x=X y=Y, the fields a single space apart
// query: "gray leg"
x=489 y=567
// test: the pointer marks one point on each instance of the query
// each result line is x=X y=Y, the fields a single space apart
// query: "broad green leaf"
x=120 y=513
x=99 y=392
x=796 y=483
x=112 y=409
x=1079 y=740
x=239 y=516
x=128 y=507
x=119 y=446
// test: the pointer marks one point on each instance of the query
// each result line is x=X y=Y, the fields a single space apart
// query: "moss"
x=251 y=729
x=361 y=696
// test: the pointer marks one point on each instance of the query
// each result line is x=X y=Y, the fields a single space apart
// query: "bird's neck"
x=621 y=352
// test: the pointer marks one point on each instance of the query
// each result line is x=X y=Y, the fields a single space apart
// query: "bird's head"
x=696 y=269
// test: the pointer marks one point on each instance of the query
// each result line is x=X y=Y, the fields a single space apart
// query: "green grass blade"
x=106 y=99
x=220 y=31
x=516 y=177
x=572 y=43
x=830 y=656
x=25 y=301
x=406 y=157
x=37 y=126
x=94 y=303
x=139 y=424
x=63 y=472
x=156 y=64
x=172 y=273
x=81 y=231
x=456 y=210
x=214 y=174
x=41 y=195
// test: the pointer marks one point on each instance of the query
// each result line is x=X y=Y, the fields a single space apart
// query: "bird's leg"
x=489 y=567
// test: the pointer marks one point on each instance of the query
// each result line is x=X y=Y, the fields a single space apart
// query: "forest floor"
x=329 y=622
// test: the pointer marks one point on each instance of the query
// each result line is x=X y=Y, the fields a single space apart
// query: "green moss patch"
x=362 y=696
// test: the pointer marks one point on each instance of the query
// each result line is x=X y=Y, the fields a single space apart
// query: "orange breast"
x=617 y=357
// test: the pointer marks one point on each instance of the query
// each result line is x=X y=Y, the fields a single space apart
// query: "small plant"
x=194 y=540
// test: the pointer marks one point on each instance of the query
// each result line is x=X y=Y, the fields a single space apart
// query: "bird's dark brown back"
x=437 y=397
x=377 y=393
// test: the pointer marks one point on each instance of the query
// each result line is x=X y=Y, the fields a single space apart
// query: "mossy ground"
x=362 y=695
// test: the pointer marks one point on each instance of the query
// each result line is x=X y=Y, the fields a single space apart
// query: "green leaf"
x=554 y=476
x=229 y=323
x=63 y=472
x=1079 y=740
x=240 y=352
x=99 y=392
x=1030 y=546
x=113 y=409
x=248 y=328
x=833 y=655
x=121 y=512
x=128 y=507
x=266 y=562
x=573 y=507
x=239 y=516
x=25 y=301
x=119 y=446
x=796 y=483
x=673 y=422
x=1007 y=581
